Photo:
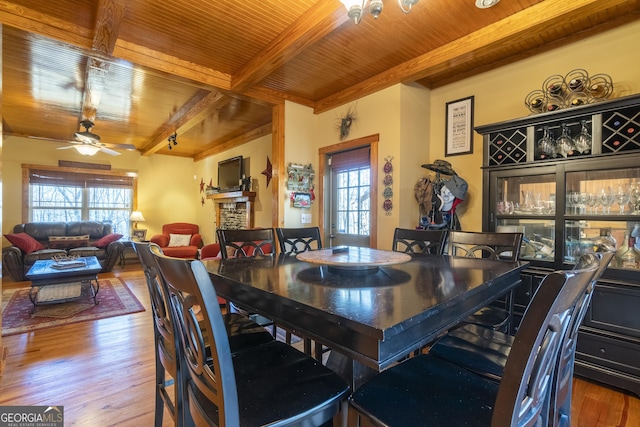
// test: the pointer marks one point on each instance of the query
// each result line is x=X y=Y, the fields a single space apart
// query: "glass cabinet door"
x=603 y=192
x=538 y=236
x=526 y=195
x=527 y=204
x=600 y=205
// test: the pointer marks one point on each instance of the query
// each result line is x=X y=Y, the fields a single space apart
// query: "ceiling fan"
x=88 y=143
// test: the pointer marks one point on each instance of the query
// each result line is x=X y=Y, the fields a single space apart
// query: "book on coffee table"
x=64 y=265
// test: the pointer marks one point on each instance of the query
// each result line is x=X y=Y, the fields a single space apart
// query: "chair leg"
x=510 y=298
x=318 y=352
x=159 y=409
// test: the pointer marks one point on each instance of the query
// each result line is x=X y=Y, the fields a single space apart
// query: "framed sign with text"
x=459 y=127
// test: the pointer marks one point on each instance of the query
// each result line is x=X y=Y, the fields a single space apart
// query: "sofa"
x=43 y=240
x=179 y=240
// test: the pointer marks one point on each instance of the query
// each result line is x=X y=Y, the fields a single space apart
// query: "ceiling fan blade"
x=66 y=147
x=129 y=147
x=109 y=151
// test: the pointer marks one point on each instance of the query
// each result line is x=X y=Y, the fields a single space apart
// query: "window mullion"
x=85 y=204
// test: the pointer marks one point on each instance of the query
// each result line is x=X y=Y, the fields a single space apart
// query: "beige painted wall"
x=254 y=155
x=400 y=115
x=167 y=191
x=378 y=113
x=300 y=148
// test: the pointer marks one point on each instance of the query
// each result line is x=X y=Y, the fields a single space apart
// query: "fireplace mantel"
x=240 y=201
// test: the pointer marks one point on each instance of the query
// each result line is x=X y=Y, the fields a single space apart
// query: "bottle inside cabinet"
x=631 y=258
x=599 y=235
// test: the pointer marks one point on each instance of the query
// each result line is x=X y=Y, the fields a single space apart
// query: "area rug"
x=114 y=299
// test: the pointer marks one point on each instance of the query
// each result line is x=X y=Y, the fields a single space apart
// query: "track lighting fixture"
x=172 y=139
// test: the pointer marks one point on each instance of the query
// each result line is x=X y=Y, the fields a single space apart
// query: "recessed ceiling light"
x=484 y=4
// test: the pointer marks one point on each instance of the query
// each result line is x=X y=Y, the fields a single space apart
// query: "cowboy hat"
x=441 y=166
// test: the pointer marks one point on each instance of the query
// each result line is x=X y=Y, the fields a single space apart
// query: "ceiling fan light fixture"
x=87 y=150
x=354 y=9
x=86 y=136
x=406 y=5
x=485 y=4
x=375 y=8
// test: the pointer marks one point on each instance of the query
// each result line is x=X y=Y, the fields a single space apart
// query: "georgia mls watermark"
x=31 y=416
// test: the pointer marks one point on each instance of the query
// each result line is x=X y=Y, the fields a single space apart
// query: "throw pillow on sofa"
x=68 y=242
x=104 y=241
x=24 y=242
x=179 y=240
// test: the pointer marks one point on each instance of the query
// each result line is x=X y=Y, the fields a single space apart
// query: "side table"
x=128 y=247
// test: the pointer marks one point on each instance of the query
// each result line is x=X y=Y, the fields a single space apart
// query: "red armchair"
x=174 y=241
x=212 y=250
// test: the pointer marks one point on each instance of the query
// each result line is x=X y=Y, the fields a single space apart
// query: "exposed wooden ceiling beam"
x=500 y=33
x=235 y=142
x=320 y=20
x=26 y=19
x=274 y=97
x=187 y=116
x=170 y=64
x=110 y=14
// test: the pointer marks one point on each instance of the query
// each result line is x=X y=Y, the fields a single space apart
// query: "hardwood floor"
x=102 y=372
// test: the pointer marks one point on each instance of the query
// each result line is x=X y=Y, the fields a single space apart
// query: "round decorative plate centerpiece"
x=353 y=258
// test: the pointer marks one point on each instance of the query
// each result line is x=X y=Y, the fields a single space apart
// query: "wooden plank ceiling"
x=210 y=71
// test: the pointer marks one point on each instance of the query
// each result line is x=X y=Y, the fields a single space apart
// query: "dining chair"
x=242 y=333
x=419 y=241
x=428 y=391
x=164 y=340
x=296 y=240
x=272 y=384
x=491 y=245
x=485 y=351
x=293 y=241
x=245 y=242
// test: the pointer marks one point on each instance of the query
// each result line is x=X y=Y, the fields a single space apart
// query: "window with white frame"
x=62 y=195
x=354 y=201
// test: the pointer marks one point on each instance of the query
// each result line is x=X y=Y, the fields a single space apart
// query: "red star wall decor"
x=268 y=171
x=201 y=185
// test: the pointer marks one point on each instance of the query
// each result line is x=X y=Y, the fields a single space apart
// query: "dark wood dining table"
x=369 y=319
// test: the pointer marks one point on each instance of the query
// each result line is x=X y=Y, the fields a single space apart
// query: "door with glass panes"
x=350 y=221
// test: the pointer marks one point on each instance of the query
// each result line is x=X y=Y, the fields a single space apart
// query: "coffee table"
x=55 y=285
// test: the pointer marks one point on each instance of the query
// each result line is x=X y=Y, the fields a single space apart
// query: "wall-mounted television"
x=230 y=173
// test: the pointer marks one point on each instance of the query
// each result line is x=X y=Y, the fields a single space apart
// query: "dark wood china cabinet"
x=568 y=197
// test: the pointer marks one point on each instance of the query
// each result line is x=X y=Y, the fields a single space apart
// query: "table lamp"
x=136 y=216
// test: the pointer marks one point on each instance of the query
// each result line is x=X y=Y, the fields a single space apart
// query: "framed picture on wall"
x=459 y=127
x=301 y=200
x=139 y=235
